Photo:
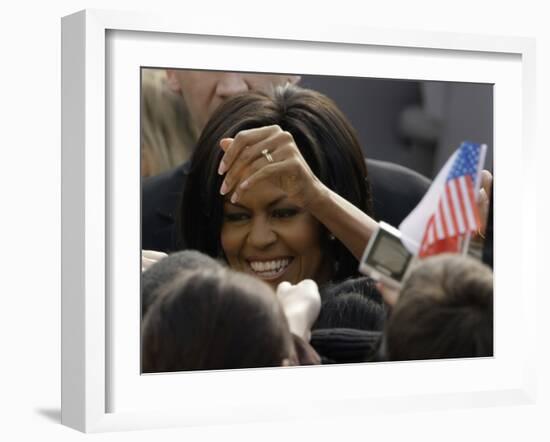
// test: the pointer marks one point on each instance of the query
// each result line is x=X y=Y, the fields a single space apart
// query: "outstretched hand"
x=266 y=153
x=483 y=200
x=301 y=304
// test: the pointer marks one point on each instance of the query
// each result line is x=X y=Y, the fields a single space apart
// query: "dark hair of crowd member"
x=168 y=268
x=325 y=139
x=445 y=310
x=215 y=319
x=352 y=303
x=349 y=326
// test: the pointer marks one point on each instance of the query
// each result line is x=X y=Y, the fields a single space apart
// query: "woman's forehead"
x=262 y=194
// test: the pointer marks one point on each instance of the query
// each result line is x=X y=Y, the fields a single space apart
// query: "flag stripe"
x=467 y=202
x=449 y=199
x=455 y=202
x=462 y=202
x=443 y=220
x=449 y=222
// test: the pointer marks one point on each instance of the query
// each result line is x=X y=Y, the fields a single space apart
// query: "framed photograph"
x=103 y=57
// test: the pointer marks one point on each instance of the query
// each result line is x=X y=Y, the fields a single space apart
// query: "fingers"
x=263 y=173
x=295 y=294
x=153 y=254
x=246 y=162
x=486 y=181
x=483 y=198
x=150 y=257
x=284 y=286
x=243 y=139
x=283 y=289
x=301 y=305
x=250 y=159
x=278 y=144
x=483 y=204
x=308 y=285
x=258 y=173
x=225 y=143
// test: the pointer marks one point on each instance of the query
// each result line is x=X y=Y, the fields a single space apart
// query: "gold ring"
x=267 y=155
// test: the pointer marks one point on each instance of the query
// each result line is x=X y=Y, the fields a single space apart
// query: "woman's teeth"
x=269 y=268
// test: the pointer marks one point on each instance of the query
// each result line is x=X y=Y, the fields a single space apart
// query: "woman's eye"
x=235 y=217
x=284 y=213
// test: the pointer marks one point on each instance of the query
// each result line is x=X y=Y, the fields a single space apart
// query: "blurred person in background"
x=167 y=134
x=175 y=105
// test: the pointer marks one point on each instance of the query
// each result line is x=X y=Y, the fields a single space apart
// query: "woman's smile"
x=269 y=269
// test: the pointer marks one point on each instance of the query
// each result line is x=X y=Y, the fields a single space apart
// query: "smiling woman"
x=278 y=188
x=272 y=238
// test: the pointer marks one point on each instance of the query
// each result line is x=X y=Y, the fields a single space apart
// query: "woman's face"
x=266 y=236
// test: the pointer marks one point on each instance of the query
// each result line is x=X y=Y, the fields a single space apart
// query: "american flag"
x=456 y=212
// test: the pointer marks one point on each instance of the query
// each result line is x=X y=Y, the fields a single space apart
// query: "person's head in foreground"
x=215 y=318
x=352 y=303
x=445 y=310
x=269 y=232
x=167 y=269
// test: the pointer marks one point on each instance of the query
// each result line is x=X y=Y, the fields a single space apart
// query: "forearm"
x=346 y=222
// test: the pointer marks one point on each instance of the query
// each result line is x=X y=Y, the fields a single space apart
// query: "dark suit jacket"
x=396 y=191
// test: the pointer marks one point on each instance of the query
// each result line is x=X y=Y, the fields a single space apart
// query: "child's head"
x=445 y=310
x=352 y=303
x=165 y=270
x=215 y=318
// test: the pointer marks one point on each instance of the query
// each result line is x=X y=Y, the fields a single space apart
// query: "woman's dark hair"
x=215 y=319
x=445 y=310
x=325 y=138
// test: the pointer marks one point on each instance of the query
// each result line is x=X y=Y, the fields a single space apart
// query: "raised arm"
x=269 y=153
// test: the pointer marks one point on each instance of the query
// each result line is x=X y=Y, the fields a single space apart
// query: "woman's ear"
x=172 y=81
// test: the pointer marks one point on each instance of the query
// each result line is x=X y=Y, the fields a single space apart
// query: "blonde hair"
x=167 y=134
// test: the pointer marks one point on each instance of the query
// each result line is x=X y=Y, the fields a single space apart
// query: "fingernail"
x=234 y=198
x=225 y=142
x=244 y=184
x=223 y=189
x=221 y=169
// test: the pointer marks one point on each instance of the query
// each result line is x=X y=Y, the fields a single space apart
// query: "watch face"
x=389 y=256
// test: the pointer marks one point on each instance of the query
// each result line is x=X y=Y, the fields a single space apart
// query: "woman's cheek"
x=231 y=241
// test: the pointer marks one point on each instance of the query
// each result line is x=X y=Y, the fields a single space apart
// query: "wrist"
x=317 y=197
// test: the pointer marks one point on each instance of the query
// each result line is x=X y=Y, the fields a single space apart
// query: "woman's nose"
x=231 y=84
x=261 y=234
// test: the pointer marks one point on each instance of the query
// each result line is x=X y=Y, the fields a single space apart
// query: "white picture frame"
x=91 y=171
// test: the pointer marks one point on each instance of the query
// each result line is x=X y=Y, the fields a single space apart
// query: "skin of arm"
x=345 y=221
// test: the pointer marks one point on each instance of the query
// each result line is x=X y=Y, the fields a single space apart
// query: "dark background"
x=417 y=124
